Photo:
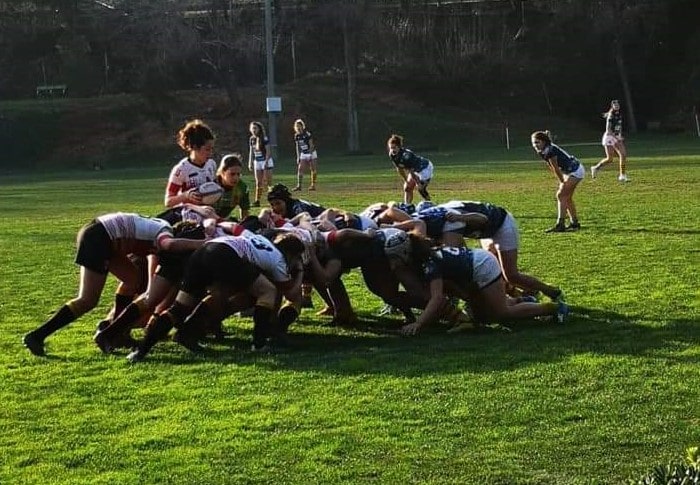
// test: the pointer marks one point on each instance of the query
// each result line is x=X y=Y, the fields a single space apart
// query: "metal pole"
x=272 y=124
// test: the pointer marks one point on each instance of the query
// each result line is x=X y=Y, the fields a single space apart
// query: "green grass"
x=598 y=400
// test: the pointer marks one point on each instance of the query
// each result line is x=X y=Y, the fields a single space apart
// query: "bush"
x=675 y=473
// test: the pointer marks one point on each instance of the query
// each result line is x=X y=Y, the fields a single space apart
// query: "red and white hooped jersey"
x=259 y=251
x=135 y=234
x=186 y=175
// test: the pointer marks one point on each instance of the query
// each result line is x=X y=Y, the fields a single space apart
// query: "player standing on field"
x=416 y=171
x=568 y=171
x=613 y=142
x=198 y=167
x=306 y=154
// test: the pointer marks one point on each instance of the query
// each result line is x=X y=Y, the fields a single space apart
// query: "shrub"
x=675 y=473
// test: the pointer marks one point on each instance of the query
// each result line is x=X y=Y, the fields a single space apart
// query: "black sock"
x=261 y=325
x=155 y=332
x=60 y=319
x=123 y=322
x=286 y=316
x=121 y=302
x=195 y=325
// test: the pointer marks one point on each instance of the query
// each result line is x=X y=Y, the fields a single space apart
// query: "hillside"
x=117 y=130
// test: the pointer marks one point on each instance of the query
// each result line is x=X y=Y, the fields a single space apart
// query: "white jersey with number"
x=132 y=233
x=259 y=251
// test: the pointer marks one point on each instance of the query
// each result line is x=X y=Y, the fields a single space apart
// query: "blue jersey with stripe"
x=408 y=160
x=453 y=264
x=566 y=163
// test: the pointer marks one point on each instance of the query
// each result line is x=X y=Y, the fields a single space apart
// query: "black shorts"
x=217 y=264
x=171 y=265
x=94 y=247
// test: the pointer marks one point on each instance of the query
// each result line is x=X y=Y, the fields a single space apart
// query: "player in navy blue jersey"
x=260 y=160
x=568 y=171
x=473 y=275
x=283 y=204
x=416 y=171
x=306 y=154
x=613 y=142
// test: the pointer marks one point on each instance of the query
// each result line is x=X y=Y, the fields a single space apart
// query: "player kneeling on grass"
x=473 y=275
x=104 y=246
x=229 y=265
x=416 y=171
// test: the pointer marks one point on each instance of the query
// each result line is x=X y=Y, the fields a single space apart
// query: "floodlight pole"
x=272 y=124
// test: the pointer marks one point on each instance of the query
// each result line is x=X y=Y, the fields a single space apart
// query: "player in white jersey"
x=104 y=246
x=197 y=140
x=226 y=266
x=166 y=277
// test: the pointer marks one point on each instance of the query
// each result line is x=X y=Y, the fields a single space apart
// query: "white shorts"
x=486 y=269
x=453 y=226
x=609 y=140
x=507 y=237
x=580 y=173
x=426 y=174
x=308 y=157
x=367 y=223
x=264 y=165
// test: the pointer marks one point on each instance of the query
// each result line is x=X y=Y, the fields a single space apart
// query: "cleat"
x=387 y=310
x=622 y=178
x=574 y=226
x=560 y=227
x=594 y=171
x=136 y=356
x=312 y=187
x=34 y=344
x=102 y=342
x=190 y=344
x=297 y=188
x=562 y=312
x=102 y=324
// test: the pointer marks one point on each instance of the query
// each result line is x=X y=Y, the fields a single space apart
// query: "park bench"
x=51 y=90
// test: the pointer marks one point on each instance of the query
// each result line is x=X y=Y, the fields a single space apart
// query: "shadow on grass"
x=374 y=346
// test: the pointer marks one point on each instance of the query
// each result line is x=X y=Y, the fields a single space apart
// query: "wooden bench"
x=51 y=90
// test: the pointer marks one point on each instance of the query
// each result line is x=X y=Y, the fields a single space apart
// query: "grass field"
x=598 y=400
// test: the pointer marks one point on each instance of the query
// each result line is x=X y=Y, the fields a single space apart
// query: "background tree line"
x=483 y=54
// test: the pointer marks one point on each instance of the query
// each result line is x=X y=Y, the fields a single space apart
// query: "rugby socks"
x=121 y=302
x=130 y=314
x=261 y=326
x=313 y=180
x=61 y=318
x=156 y=330
x=286 y=316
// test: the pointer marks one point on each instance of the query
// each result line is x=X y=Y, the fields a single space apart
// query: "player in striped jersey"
x=229 y=265
x=104 y=246
x=197 y=140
